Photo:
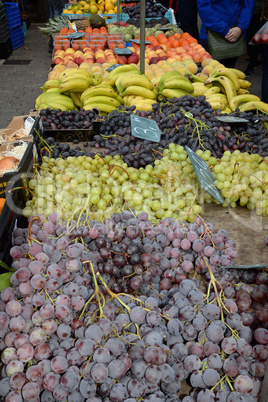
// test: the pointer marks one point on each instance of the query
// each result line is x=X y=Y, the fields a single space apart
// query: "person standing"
x=55 y=7
x=254 y=50
x=264 y=55
x=230 y=18
x=187 y=17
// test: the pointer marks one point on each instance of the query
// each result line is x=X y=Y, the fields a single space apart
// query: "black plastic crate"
x=5 y=49
x=4 y=34
x=3 y=11
x=3 y=22
x=11 y=217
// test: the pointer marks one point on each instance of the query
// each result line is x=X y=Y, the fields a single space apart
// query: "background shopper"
x=230 y=18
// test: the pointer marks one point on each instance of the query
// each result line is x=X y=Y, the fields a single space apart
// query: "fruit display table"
x=136 y=265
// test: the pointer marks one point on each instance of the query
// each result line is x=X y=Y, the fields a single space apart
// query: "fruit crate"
x=4 y=34
x=5 y=49
x=167 y=15
x=110 y=18
x=3 y=11
x=17 y=37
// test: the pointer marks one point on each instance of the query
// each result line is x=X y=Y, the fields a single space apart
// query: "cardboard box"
x=17 y=123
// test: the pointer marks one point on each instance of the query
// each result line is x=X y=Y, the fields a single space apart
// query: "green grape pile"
x=101 y=186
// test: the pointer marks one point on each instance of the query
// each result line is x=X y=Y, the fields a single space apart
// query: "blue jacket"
x=221 y=15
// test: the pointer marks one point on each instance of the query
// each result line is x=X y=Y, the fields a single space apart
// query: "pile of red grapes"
x=107 y=312
x=200 y=129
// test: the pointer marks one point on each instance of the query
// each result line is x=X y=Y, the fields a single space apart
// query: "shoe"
x=249 y=71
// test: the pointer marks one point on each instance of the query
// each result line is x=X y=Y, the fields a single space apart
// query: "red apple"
x=154 y=60
x=121 y=59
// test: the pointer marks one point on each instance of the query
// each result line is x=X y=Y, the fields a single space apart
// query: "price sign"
x=204 y=175
x=125 y=51
x=231 y=119
x=249 y=266
x=113 y=67
x=139 y=42
x=144 y=128
x=164 y=29
x=76 y=17
x=75 y=35
x=29 y=122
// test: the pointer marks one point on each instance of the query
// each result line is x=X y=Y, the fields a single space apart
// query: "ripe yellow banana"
x=56 y=105
x=73 y=72
x=53 y=90
x=74 y=85
x=76 y=99
x=239 y=73
x=226 y=110
x=186 y=86
x=244 y=84
x=108 y=81
x=43 y=98
x=199 y=89
x=123 y=76
x=50 y=84
x=217 y=105
x=253 y=105
x=237 y=100
x=156 y=81
x=102 y=99
x=103 y=107
x=227 y=72
x=135 y=101
x=139 y=80
x=212 y=91
x=98 y=91
x=64 y=100
x=77 y=77
x=145 y=106
x=226 y=84
x=121 y=69
x=170 y=75
x=173 y=93
x=139 y=91
x=243 y=91
x=97 y=79
x=217 y=98
x=120 y=100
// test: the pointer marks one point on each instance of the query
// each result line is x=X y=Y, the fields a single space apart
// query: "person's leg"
x=187 y=17
x=264 y=54
x=253 y=50
x=230 y=63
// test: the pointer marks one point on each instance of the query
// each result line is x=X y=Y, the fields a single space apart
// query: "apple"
x=154 y=60
x=121 y=60
x=133 y=58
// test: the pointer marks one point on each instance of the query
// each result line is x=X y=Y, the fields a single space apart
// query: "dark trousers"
x=253 y=50
x=264 y=55
x=187 y=17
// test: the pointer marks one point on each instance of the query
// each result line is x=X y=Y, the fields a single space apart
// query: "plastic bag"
x=260 y=37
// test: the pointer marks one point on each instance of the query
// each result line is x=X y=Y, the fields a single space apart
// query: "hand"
x=233 y=34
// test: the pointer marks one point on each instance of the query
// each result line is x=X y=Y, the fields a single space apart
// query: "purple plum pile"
x=114 y=312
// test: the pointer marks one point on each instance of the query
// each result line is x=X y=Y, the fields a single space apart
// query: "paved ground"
x=19 y=85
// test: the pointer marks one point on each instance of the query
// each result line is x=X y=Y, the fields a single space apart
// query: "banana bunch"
x=140 y=102
x=54 y=101
x=75 y=80
x=174 y=85
x=232 y=91
x=134 y=84
x=102 y=97
x=51 y=86
x=114 y=74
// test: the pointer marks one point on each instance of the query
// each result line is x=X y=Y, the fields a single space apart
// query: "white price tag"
x=29 y=122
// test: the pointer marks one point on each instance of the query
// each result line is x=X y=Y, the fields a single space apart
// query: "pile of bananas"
x=54 y=100
x=103 y=97
x=134 y=87
x=174 y=85
x=229 y=90
x=64 y=93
